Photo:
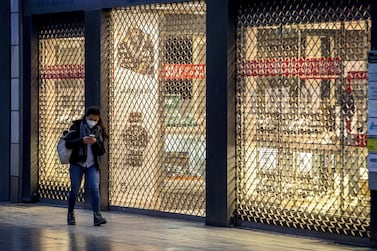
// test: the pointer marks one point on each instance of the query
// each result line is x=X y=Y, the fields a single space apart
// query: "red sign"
x=184 y=71
x=62 y=72
x=361 y=140
x=292 y=67
x=356 y=75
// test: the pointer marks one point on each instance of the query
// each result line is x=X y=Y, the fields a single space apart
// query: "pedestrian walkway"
x=43 y=227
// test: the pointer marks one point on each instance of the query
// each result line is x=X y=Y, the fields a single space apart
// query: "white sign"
x=372 y=72
x=372 y=90
x=372 y=108
x=372 y=162
x=372 y=126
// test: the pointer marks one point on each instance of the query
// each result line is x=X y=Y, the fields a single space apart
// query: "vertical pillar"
x=221 y=82
x=5 y=98
x=373 y=216
x=29 y=111
x=15 y=104
x=373 y=193
x=96 y=68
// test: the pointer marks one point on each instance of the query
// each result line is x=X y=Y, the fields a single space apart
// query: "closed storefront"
x=156 y=105
x=243 y=113
x=61 y=95
x=157 y=108
x=302 y=116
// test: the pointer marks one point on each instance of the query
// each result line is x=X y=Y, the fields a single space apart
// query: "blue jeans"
x=92 y=178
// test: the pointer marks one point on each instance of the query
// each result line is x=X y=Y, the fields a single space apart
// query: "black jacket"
x=74 y=141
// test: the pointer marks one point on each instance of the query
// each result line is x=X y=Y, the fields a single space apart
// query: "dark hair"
x=92 y=110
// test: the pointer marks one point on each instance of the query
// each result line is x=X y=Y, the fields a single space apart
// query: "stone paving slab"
x=43 y=227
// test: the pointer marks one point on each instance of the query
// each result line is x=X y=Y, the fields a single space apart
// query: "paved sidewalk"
x=42 y=227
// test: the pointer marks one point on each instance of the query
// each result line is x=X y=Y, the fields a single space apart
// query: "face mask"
x=91 y=123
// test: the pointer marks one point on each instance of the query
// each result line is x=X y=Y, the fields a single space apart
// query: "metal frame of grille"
x=61 y=98
x=157 y=107
x=302 y=115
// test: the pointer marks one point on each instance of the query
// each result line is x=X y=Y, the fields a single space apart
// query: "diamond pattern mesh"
x=301 y=115
x=61 y=98
x=157 y=107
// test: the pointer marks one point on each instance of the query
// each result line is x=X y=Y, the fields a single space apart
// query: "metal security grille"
x=61 y=98
x=301 y=115
x=157 y=107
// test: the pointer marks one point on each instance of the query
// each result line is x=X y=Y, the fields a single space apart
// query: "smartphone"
x=92 y=135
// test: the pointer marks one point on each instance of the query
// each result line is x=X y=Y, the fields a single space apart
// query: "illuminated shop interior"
x=61 y=100
x=156 y=105
x=157 y=108
x=303 y=115
x=301 y=112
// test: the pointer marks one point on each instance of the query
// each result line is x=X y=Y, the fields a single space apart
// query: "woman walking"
x=87 y=145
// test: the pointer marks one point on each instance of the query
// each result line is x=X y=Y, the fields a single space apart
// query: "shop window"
x=157 y=107
x=67 y=72
x=355 y=45
x=178 y=87
x=61 y=49
x=277 y=42
x=301 y=118
x=66 y=95
x=178 y=51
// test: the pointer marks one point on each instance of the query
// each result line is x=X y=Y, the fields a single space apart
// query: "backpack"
x=63 y=152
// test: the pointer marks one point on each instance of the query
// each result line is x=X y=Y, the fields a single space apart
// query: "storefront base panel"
x=333 y=237
x=154 y=213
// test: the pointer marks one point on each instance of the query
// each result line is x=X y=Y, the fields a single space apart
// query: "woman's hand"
x=89 y=140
